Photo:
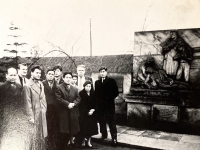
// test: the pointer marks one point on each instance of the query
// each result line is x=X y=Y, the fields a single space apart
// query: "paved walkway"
x=155 y=139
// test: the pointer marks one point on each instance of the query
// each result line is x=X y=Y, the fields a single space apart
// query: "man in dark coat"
x=10 y=95
x=68 y=99
x=106 y=91
x=52 y=112
x=14 y=127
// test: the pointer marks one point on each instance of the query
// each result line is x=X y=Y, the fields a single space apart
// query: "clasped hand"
x=91 y=112
x=71 y=105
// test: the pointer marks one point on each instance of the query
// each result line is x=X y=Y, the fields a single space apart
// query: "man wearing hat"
x=106 y=91
x=35 y=103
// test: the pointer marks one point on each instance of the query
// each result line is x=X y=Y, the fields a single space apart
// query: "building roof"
x=114 y=63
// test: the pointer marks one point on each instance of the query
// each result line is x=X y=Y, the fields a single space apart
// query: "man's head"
x=81 y=70
x=58 y=71
x=50 y=75
x=22 y=69
x=103 y=71
x=36 y=72
x=74 y=79
x=11 y=74
x=67 y=77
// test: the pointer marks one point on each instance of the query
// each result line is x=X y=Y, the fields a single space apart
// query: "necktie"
x=103 y=79
x=21 y=80
x=50 y=85
x=24 y=81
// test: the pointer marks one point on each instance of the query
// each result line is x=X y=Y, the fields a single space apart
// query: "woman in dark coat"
x=88 y=122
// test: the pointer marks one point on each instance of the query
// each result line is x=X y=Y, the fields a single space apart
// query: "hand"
x=32 y=121
x=91 y=112
x=71 y=105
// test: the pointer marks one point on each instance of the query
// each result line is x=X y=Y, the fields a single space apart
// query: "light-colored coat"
x=18 y=80
x=36 y=106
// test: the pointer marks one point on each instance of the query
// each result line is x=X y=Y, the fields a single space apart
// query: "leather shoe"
x=69 y=146
x=103 y=138
x=114 y=142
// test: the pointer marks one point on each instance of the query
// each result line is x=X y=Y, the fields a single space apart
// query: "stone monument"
x=165 y=81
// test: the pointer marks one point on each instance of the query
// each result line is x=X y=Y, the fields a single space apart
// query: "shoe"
x=69 y=146
x=103 y=138
x=90 y=146
x=114 y=142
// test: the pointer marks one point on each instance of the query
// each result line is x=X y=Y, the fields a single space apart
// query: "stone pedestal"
x=177 y=111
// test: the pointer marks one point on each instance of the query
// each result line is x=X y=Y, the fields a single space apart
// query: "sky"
x=48 y=25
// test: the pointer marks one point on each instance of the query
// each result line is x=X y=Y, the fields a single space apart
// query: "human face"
x=68 y=79
x=88 y=87
x=22 y=71
x=50 y=75
x=173 y=35
x=58 y=72
x=81 y=71
x=103 y=73
x=11 y=75
x=36 y=74
x=74 y=80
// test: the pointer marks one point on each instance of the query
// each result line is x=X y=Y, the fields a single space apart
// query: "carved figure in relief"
x=151 y=76
x=177 y=56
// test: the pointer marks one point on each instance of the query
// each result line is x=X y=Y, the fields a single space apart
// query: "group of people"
x=63 y=110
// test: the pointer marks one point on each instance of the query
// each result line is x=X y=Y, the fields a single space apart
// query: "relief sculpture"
x=167 y=63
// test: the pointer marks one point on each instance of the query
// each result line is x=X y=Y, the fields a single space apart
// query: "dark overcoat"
x=50 y=93
x=9 y=93
x=9 y=97
x=68 y=118
x=88 y=123
x=105 y=93
x=13 y=122
x=51 y=115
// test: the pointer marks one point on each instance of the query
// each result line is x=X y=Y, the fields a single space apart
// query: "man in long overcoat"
x=68 y=99
x=35 y=103
x=15 y=130
x=52 y=111
x=106 y=91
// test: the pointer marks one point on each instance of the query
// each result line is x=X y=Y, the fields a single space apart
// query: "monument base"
x=172 y=111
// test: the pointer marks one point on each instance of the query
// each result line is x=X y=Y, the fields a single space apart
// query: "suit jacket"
x=18 y=80
x=69 y=121
x=105 y=93
x=86 y=78
x=50 y=93
x=36 y=106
